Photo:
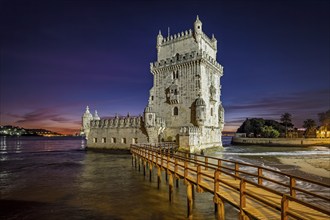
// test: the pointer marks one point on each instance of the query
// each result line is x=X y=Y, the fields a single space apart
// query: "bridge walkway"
x=264 y=194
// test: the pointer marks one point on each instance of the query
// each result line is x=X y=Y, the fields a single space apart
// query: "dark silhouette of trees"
x=324 y=118
x=258 y=127
x=286 y=120
x=310 y=126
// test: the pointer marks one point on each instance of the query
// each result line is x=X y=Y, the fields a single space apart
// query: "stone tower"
x=184 y=103
x=86 y=119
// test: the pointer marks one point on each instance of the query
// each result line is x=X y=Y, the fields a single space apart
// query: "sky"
x=59 y=56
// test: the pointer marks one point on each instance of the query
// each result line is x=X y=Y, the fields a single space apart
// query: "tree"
x=286 y=120
x=269 y=132
x=324 y=118
x=252 y=126
x=310 y=126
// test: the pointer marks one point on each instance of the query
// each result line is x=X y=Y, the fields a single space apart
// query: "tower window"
x=123 y=140
x=104 y=140
x=134 y=140
x=95 y=140
x=175 y=111
x=211 y=111
x=175 y=74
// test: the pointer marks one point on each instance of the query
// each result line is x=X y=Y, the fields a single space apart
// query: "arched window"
x=174 y=75
x=177 y=74
x=211 y=111
x=175 y=111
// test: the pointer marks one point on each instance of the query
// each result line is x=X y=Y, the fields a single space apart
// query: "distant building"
x=323 y=132
x=184 y=103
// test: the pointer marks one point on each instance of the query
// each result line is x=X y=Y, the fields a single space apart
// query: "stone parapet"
x=184 y=58
x=118 y=122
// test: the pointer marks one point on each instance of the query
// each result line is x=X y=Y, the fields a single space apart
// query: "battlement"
x=185 y=35
x=118 y=122
x=187 y=57
x=177 y=37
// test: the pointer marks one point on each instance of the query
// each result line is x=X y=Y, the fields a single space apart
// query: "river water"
x=55 y=178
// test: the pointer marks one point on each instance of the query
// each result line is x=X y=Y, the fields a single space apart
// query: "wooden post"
x=292 y=185
x=206 y=162
x=132 y=160
x=193 y=191
x=185 y=170
x=177 y=182
x=216 y=181
x=284 y=208
x=159 y=177
x=259 y=175
x=152 y=156
x=236 y=169
x=219 y=164
x=219 y=207
x=195 y=160
x=170 y=186
x=175 y=166
x=144 y=168
x=139 y=161
x=199 y=169
x=150 y=171
x=242 y=198
x=189 y=200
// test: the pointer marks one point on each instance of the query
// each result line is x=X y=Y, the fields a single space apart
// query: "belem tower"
x=184 y=104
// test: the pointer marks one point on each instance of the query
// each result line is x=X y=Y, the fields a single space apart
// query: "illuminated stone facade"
x=184 y=104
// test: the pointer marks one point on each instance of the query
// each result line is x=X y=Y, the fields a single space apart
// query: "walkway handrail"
x=206 y=163
x=291 y=178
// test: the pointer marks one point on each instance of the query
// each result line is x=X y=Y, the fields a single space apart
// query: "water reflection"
x=3 y=144
x=18 y=145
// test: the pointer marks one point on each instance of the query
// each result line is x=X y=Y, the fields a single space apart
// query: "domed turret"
x=221 y=114
x=200 y=102
x=200 y=111
x=148 y=109
x=86 y=120
x=159 y=39
x=96 y=116
x=198 y=29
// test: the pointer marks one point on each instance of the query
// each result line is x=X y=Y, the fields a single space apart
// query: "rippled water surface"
x=55 y=178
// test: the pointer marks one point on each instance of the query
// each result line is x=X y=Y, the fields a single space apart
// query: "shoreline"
x=319 y=166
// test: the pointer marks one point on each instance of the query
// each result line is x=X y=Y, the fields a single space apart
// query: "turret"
x=86 y=119
x=159 y=39
x=96 y=116
x=200 y=111
x=198 y=29
x=221 y=114
x=149 y=117
x=214 y=42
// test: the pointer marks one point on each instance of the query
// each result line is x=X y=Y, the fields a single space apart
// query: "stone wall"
x=115 y=138
x=282 y=141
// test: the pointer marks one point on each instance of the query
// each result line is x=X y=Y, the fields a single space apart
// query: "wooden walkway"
x=261 y=194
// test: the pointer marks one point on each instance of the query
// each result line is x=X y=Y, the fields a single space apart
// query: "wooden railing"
x=279 y=194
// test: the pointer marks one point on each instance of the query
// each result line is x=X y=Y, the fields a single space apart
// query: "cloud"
x=39 y=116
x=302 y=105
